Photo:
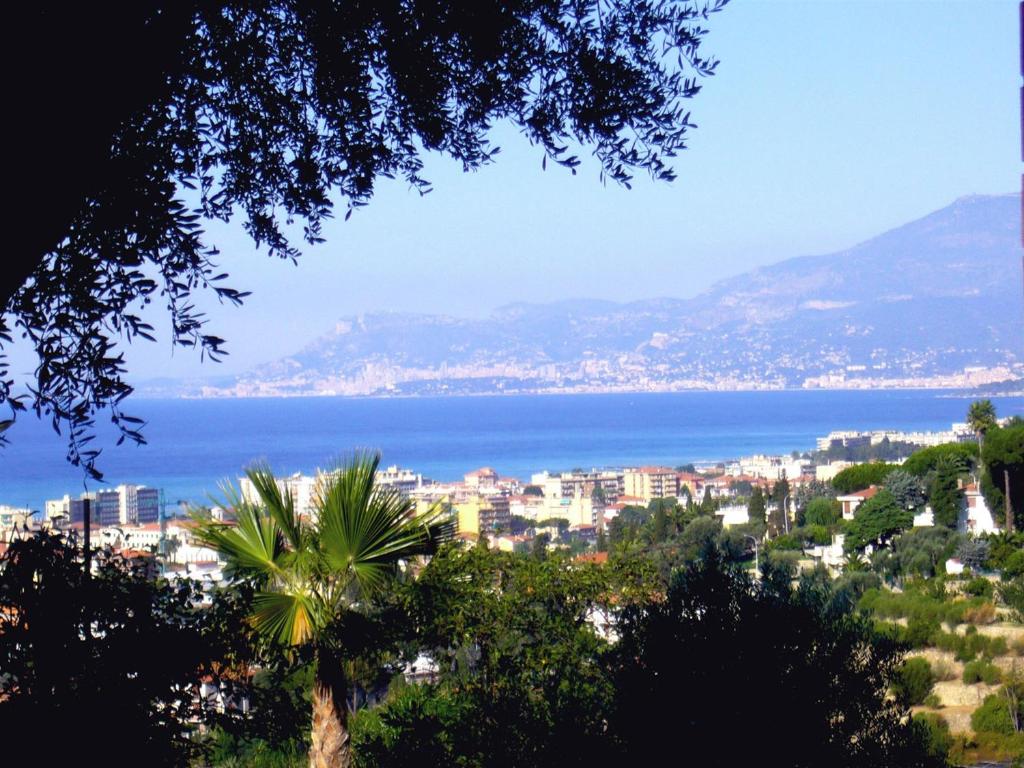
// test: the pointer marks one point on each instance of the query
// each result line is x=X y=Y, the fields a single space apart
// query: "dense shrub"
x=970 y=645
x=801 y=538
x=994 y=714
x=913 y=681
x=981 y=671
x=979 y=587
x=747 y=640
x=80 y=655
x=1013 y=565
x=920 y=631
x=917 y=552
x=1002 y=547
x=1011 y=593
x=937 y=735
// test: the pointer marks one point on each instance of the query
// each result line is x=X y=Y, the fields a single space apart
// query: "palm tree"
x=309 y=573
x=981 y=417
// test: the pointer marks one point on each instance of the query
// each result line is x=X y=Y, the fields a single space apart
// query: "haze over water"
x=194 y=444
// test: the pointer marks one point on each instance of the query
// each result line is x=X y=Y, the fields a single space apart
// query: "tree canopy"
x=860 y=476
x=876 y=521
x=1003 y=456
x=277 y=111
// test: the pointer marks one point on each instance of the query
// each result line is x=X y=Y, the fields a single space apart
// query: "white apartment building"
x=773 y=467
x=302 y=489
x=650 y=483
x=405 y=480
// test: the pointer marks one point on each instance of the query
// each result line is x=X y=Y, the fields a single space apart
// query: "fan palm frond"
x=254 y=546
x=364 y=530
x=290 y=618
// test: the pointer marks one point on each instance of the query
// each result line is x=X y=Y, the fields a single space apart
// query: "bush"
x=968 y=646
x=1017 y=646
x=1011 y=594
x=920 y=631
x=936 y=735
x=913 y=681
x=981 y=671
x=980 y=614
x=979 y=587
x=1014 y=566
x=943 y=670
x=993 y=716
x=931 y=700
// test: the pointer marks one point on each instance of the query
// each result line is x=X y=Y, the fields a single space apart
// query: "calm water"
x=195 y=444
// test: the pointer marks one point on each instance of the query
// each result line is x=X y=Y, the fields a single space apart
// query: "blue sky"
x=827 y=123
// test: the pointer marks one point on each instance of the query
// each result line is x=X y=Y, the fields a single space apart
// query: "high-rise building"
x=107 y=508
x=651 y=483
x=138 y=505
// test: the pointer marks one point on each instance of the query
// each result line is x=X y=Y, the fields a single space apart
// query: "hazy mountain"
x=914 y=305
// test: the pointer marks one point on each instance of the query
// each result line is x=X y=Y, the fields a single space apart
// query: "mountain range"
x=936 y=302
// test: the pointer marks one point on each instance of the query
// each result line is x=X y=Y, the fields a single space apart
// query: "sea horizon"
x=195 y=444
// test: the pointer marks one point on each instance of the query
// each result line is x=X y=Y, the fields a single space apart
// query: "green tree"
x=659 y=523
x=310 y=575
x=944 y=492
x=981 y=417
x=808 y=492
x=876 y=521
x=907 y=489
x=520 y=675
x=913 y=681
x=778 y=515
x=756 y=507
x=860 y=476
x=821 y=511
x=707 y=504
x=80 y=653
x=1003 y=459
x=824 y=667
x=924 y=461
x=279 y=111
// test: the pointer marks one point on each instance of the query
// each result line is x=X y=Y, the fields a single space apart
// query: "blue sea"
x=193 y=445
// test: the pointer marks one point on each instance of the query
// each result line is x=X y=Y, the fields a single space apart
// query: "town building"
x=301 y=488
x=483 y=514
x=404 y=480
x=480 y=479
x=851 y=501
x=650 y=483
x=975 y=517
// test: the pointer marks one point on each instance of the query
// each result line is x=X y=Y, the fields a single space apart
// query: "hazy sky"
x=826 y=123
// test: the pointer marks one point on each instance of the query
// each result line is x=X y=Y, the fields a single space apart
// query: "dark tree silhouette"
x=114 y=660
x=138 y=123
x=748 y=674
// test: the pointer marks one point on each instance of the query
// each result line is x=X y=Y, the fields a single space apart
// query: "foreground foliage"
x=525 y=680
x=118 y=654
x=311 y=577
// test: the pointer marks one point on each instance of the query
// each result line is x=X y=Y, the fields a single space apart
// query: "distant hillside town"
x=922 y=306
x=569 y=508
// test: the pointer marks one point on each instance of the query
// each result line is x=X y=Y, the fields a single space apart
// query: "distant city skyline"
x=825 y=124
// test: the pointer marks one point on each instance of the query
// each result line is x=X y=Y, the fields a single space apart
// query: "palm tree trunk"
x=329 y=747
